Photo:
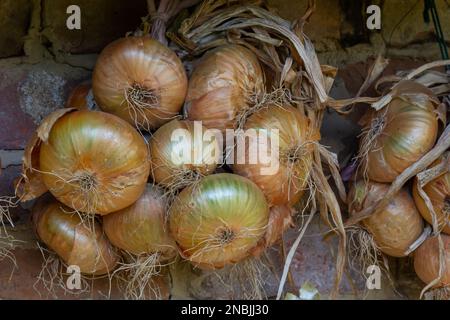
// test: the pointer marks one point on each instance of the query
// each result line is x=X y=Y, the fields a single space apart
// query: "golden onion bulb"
x=401 y=134
x=397 y=226
x=94 y=162
x=438 y=191
x=223 y=85
x=140 y=228
x=73 y=241
x=219 y=220
x=426 y=261
x=280 y=220
x=286 y=184
x=79 y=97
x=180 y=154
x=140 y=80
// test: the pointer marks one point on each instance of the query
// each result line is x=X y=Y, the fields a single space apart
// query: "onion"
x=140 y=80
x=94 y=162
x=169 y=168
x=140 y=231
x=219 y=220
x=296 y=141
x=438 y=191
x=140 y=228
x=426 y=261
x=79 y=97
x=397 y=226
x=74 y=242
x=400 y=134
x=223 y=86
x=280 y=220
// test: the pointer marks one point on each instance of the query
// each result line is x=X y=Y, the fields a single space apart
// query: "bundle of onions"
x=284 y=179
x=224 y=85
x=180 y=154
x=79 y=97
x=400 y=134
x=140 y=231
x=140 y=80
x=427 y=262
x=397 y=226
x=93 y=162
x=438 y=191
x=71 y=240
x=219 y=221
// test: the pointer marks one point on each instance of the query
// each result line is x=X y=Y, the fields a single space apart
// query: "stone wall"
x=336 y=26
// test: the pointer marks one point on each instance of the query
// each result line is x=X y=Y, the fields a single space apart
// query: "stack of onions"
x=400 y=134
x=140 y=80
x=74 y=242
x=285 y=178
x=427 y=262
x=140 y=231
x=224 y=86
x=219 y=221
x=397 y=226
x=93 y=162
x=180 y=154
x=438 y=191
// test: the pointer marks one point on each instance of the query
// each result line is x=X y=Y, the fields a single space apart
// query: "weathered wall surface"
x=14 y=21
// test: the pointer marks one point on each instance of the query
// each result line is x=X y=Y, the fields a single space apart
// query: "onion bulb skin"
x=438 y=191
x=222 y=85
x=219 y=220
x=140 y=228
x=286 y=184
x=78 y=98
x=176 y=140
x=72 y=240
x=94 y=162
x=140 y=80
x=426 y=261
x=397 y=226
x=402 y=132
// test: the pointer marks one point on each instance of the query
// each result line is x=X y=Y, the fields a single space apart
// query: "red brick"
x=30 y=92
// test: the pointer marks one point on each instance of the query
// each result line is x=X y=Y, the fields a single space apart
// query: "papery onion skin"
x=140 y=228
x=410 y=131
x=220 y=207
x=78 y=98
x=73 y=241
x=286 y=185
x=426 y=261
x=99 y=147
x=438 y=190
x=164 y=169
x=222 y=85
x=145 y=63
x=397 y=226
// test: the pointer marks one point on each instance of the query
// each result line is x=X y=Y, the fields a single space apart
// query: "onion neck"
x=226 y=236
